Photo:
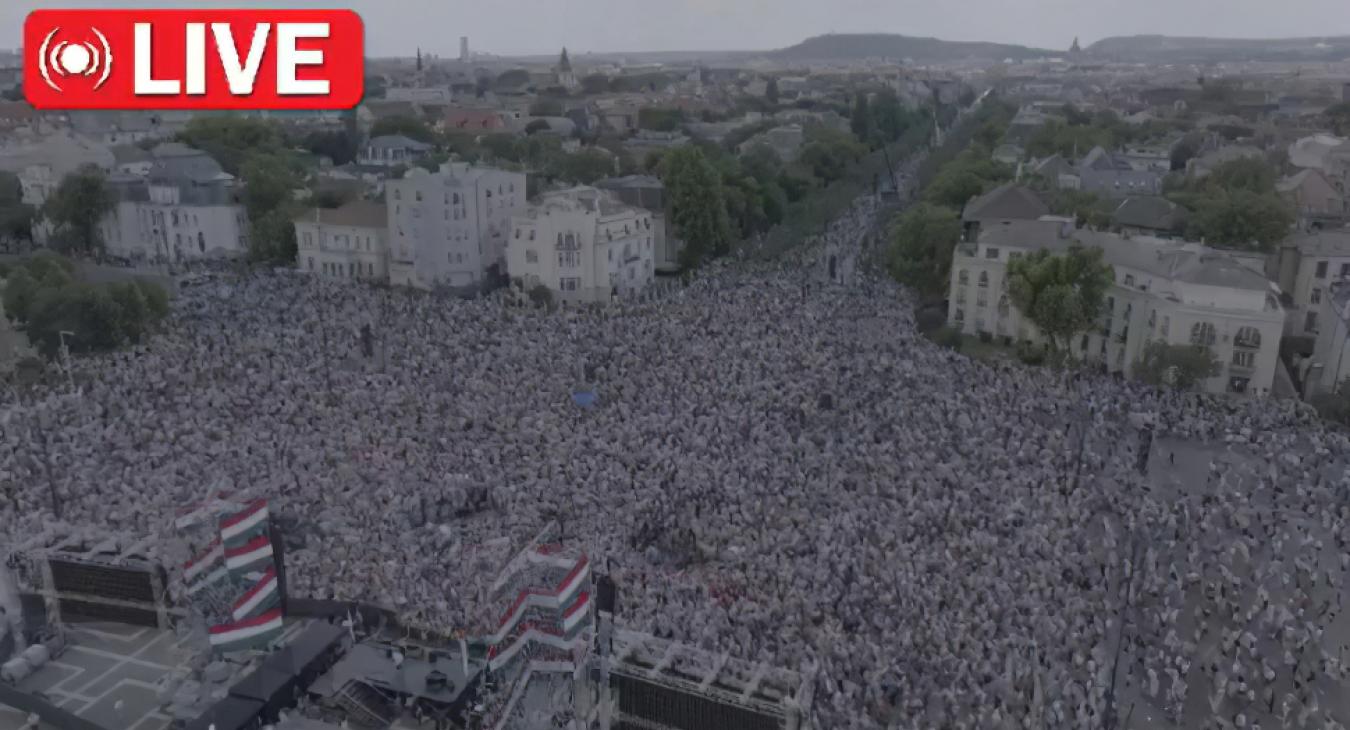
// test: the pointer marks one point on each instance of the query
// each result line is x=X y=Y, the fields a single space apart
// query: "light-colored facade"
x=351 y=242
x=185 y=207
x=1177 y=293
x=1305 y=266
x=1330 y=364
x=391 y=151
x=449 y=228
x=584 y=244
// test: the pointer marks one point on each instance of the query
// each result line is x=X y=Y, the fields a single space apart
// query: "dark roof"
x=397 y=141
x=357 y=213
x=1149 y=211
x=1008 y=201
x=230 y=713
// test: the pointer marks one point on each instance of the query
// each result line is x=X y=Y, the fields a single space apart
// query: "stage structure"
x=539 y=646
x=233 y=579
x=86 y=574
x=649 y=683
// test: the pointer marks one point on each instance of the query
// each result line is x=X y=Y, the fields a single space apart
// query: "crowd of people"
x=778 y=465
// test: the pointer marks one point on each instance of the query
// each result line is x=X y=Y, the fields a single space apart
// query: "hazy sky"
x=508 y=27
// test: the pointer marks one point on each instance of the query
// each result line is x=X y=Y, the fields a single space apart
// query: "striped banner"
x=245 y=525
x=212 y=578
x=253 y=633
x=209 y=558
x=263 y=596
x=253 y=556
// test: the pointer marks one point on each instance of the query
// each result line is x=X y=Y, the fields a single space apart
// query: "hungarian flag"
x=244 y=525
x=209 y=559
x=577 y=615
x=262 y=597
x=252 y=633
x=254 y=556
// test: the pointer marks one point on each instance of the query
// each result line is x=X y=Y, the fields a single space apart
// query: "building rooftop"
x=1181 y=261
x=1149 y=211
x=357 y=213
x=1008 y=201
x=1332 y=242
x=397 y=141
x=583 y=196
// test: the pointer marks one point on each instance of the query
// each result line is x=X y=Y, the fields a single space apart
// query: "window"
x=991 y=253
x=1129 y=280
x=984 y=278
x=517 y=234
x=1167 y=326
x=1316 y=297
x=1202 y=334
x=569 y=284
x=308 y=239
x=960 y=315
x=201 y=242
x=963 y=277
x=1345 y=271
x=981 y=299
x=455 y=198
x=398 y=194
x=418 y=196
x=351 y=269
x=1244 y=358
x=1003 y=306
x=1083 y=345
x=1321 y=270
x=311 y=263
x=1249 y=337
x=531 y=234
x=1310 y=322
x=531 y=257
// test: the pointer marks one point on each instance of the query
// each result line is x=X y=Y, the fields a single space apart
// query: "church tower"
x=563 y=72
x=1075 y=49
x=419 y=60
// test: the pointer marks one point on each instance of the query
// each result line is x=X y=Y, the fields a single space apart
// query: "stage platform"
x=109 y=674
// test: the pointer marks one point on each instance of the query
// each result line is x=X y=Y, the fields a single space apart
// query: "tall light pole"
x=65 y=357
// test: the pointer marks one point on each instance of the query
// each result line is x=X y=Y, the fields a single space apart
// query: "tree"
x=1179 y=366
x=1243 y=219
x=16 y=217
x=861 y=122
x=546 y=108
x=410 y=127
x=1060 y=293
x=13 y=93
x=595 y=84
x=584 y=167
x=698 y=206
x=78 y=205
x=44 y=299
x=660 y=120
x=513 y=79
x=771 y=91
x=339 y=146
x=1338 y=118
x=889 y=117
x=269 y=185
x=1187 y=148
x=919 y=254
x=232 y=140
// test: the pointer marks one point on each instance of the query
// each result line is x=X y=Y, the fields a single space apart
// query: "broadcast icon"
x=84 y=58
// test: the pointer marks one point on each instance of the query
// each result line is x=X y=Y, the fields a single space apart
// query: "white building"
x=449 y=228
x=1330 y=364
x=351 y=242
x=1168 y=291
x=40 y=165
x=186 y=207
x=583 y=244
x=1304 y=266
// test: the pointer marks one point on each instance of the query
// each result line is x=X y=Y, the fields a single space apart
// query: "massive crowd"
x=778 y=466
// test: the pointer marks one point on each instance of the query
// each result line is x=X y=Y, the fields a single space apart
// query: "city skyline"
x=739 y=25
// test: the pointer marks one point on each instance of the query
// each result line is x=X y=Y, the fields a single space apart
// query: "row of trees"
x=44 y=298
x=923 y=239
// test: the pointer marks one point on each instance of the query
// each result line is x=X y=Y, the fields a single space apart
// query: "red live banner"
x=194 y=59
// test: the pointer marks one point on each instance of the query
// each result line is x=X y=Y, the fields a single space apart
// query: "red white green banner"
x=258 y=599
x=211 y=557
x=252 y=556
x=245 y=525
x=253 y=633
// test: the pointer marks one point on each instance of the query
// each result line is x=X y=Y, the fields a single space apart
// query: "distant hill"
x=859 y=46
x=1177 y=49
